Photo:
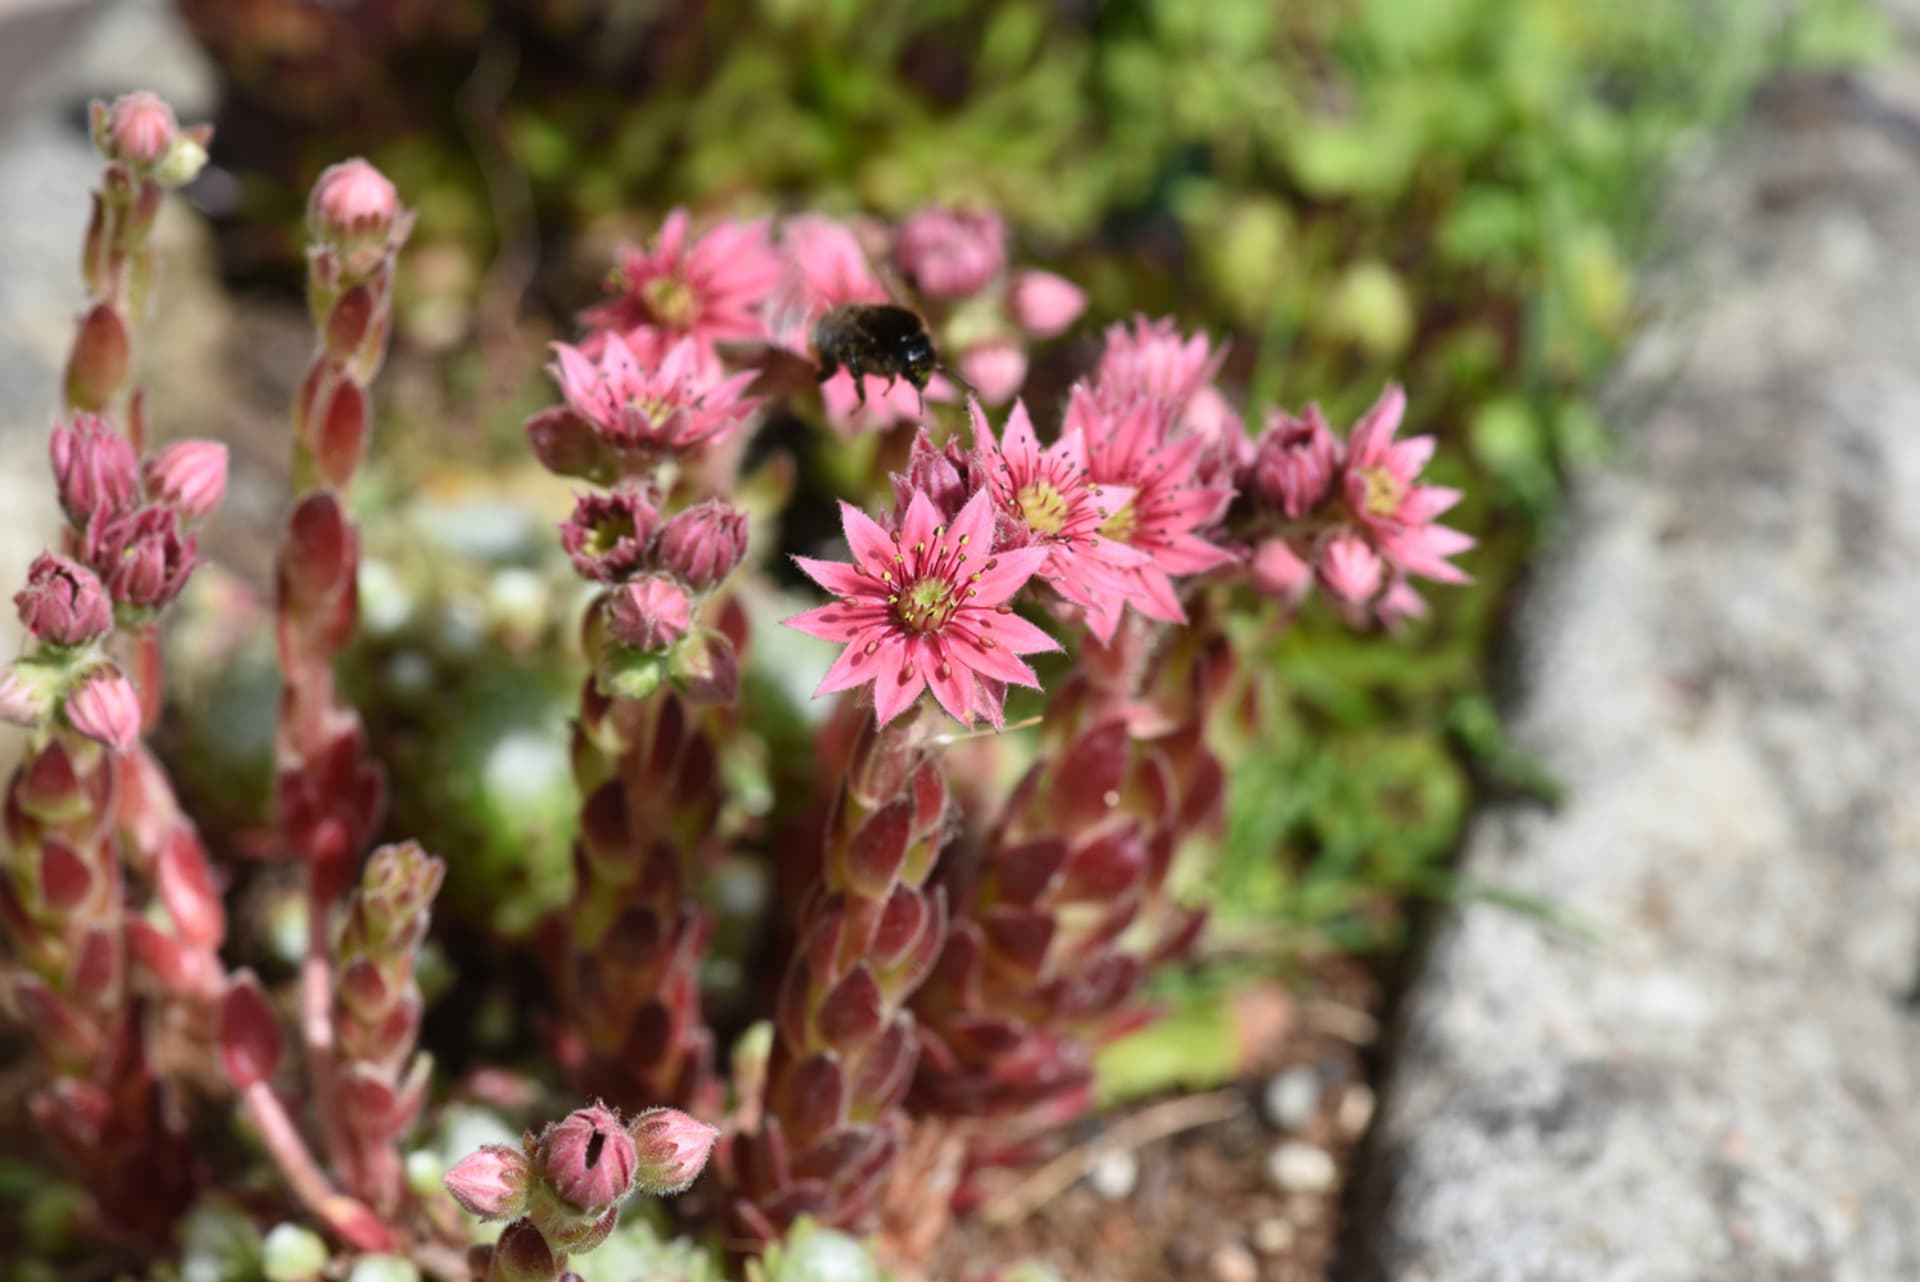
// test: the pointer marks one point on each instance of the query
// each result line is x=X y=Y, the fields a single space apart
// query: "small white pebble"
x=1291 y=1097
x=1273 y=1235
x=1114 y=1175
x=1231 y=1262
x=1356 y=1111
x=1298 y=1167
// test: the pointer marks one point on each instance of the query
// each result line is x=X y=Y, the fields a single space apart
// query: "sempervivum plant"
x=1022 y=634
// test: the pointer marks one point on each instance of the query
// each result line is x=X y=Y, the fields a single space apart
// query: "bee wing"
x=789 y=314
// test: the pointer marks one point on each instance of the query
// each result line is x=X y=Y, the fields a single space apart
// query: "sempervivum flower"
x=1396 y=515
x=1047 y=495
x=709 y=288
x=608 y=535
x=951 y=253
x=927 y=608
x=644 y=413
x=827 y=268
x=1151 y=359
x=1293 y=463
x=1132 y=443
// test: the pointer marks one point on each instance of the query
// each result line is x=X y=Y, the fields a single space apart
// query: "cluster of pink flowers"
x=1135 y=496
x=1351 y=516
x=133 y=551
x=739 y=285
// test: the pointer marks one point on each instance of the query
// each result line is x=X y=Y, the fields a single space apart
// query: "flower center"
x=608 y=533
x=925 y=605
x=670 y=300
x=1043 y=506
x=1119 y=526
x=1385 y=491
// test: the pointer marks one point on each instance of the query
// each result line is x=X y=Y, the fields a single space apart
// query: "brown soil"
x=1203 y=1206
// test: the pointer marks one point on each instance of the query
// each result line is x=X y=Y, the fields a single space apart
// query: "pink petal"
x=1018 y=440
x=921 y=520
x=1010 y=572
x=1117 y=554
x=837 y=622
x=872 y=547
x=994 y=661
x=857 y=665
x=1185 y=554
x=973 y=526
x=837 y=577
x=1009 y=631
x=1376 y=427
x=1405 y=460
x=1427 y=502
x=896 y=687
x=953 y=688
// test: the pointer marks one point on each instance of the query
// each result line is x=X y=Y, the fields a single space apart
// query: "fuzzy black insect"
x=881 y=339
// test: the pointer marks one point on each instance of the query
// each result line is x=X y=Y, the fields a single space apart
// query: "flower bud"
x=671 y=1148
x=1044 y=304
x=1279 y=573
x=101 y=357
x=650 y=613
x=491 y=1182
x=352 y=205
x=951 y=253
x=145 y=556
x=94 y=467
x=107 y=709
x=997 y=368
x=521 y=1255
x=63 y=602
x=939 y=472
x=588 y=1158
x=138 y=131
x=608 y=535
x=190 y=475
x=1294 y=462
x=1349 y=568
x=702 y=544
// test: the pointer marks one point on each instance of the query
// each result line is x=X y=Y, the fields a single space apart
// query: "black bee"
x=878 y=339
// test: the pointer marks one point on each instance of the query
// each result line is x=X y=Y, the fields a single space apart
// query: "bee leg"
x=859 y=380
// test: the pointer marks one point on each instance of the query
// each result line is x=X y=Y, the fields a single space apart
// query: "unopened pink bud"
x=1294 y=462
x=352 y=203
x=951 y=253
x=703 y=544
x=107 y=709
x=1044 y=304
x=139 y=130
x=1278 y=572
x=588 y=1158
x=609 y=535
x=942 y=473
x=566 y=444
x=190 y=475
x=672 y=1149
x=1349 y=568
x=144 y=556
x=491 y=1182
x=997 y=368
x=94 y=467
x=650 y=613
x=64 y=603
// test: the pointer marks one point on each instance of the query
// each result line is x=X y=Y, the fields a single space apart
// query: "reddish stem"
x=355 y=1224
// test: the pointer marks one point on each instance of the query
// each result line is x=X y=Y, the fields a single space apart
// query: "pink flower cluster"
x=1350 y=516
x=740 y=284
